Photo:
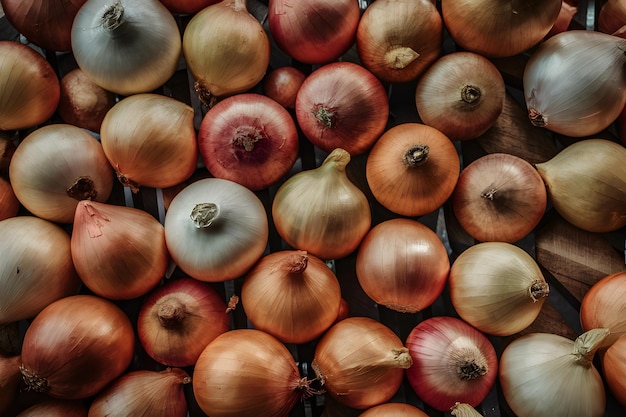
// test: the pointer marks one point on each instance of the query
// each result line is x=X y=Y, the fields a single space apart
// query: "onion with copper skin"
x=76 y=346
x=412 y=169
x=452 y=362
x=29 y=88
x=342 y=105
x=315 y=31
x=178 y=319
x=604 y=306
x=614 y=369
x=403 y=265
x=397 y=40
x=282 y=84
x=393 y=410
x=612 y=18
x=56 y=408
x=249 y=139
x=9 y=204
x=499 y=197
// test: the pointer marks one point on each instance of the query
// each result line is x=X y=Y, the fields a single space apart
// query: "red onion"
x=187 y=6
x=282 y=84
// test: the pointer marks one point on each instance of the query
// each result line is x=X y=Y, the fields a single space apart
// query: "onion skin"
x=612 y=17
x=282 y=85
x=7 y=149
x=393 y=410
x=56 y=408
x=604 y=306
x=187 y=6
x=9 y=204
x=30 y=88
x=76 y=346
x=9 y=380
x=614 y=368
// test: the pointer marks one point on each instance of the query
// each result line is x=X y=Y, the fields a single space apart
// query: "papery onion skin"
x=497 y=287
x=127 y=47
x=247 y=373
x=7 y=149
x=76 y=346
x=452 y=362
x=604 y=306
x=316 y=31
x=119 y=252
x=56 y=408
x=178 y=319
x=398 y=40
x=499 y=197
x=29 y=87
x=499 y=28
x=612 y=17
x=461 y=94
x=36 y=267
x=187 y=6
x=586 y=184
x=250 y=139
x=342 y=105
x=412 y=169
x=9 y=204
x=393 y=410
x=403 y=265
x=282 y=84
x=9 y=381
x=55 y=167
x=614 y=369
x=360 y=362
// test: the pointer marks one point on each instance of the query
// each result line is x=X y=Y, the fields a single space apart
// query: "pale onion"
x=55 y=167
x=76 y=346
x=461 y=94
x=548 y=375
x=45 y=23
x=612 y=17
x=614 y=369
x=393 y=409
x=292 y=295
x=119 y=252
x=150 y=141
x=250 y=139
x=593 y=94
x=586 y=183
x=360 y=362
x=497 y=287
x=9 y=381
x=216 y=229
x=412 y=169
x=248 y=373
x=83 y=103
x=178 y=319
x=604 y=306
x=314 y=31
x=126 y=46
x=342 y=105
x=56 y=408
x=187 y=6
x=397 y=40
x=143 y=393
x=321 y=211
x=499 y=197
x=282 y=84
x=226 y=49
x=452 y=362
x=464 y=410
x=499 y=28
x=35 y=267
x=29 y=87
x=9 y=204
x=403 y=265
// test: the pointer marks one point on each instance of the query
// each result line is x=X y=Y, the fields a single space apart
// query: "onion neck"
x=94 y=220
x=468 y=362
x=295 y=263
x=470 y=94
x=489 y=193
x=171 y=313
x=238 y=5
x=325 y=116
x=246 y=137
x=113 y=16
x=204 y=94
x=535 y=116
x=538 y=289
x=33 y=381
x=127 y=182
x=400 y=57
x=338 y=159
x=83 y=188
x=586 y=345
x=204 y=214
x=416 y=155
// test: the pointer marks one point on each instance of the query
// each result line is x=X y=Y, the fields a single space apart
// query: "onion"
x=563 y=22
x=342 y=105
x=592 y=98
x=9 y=381
x=9 y=204
x=461 y=94
x=282 y=85
x=247 y=373
x=226 y=49
x=55 y=167
x=249 y=139
x=76 y=346
x=187 y=6
x=614 y=367
x=125 y=46
x=360 y=362
x=393 y=410
x=46 y=23
x=464 y=410
x=7 y=149
x=612 y=17
x=586 y=184
x=497 y=287
x=604 y=306
x=178 y=319
x=397 y=40
x=150 y=140
x=403 y=265
x=30 y=89
x=35 y=267
x=321 y=211
x=119 y=252
x=216 y=229
x=499 y=28
x=292 y=295
x=499 y=197
x=56 y=408
x=314 y=31
x=412 y=169
x=83 y=103
x=143 y=393
x=452 y=362
x=544 y=374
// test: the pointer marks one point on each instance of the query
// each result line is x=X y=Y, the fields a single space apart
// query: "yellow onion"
x=604 y=305
x=393 y=410
x=614 y=367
